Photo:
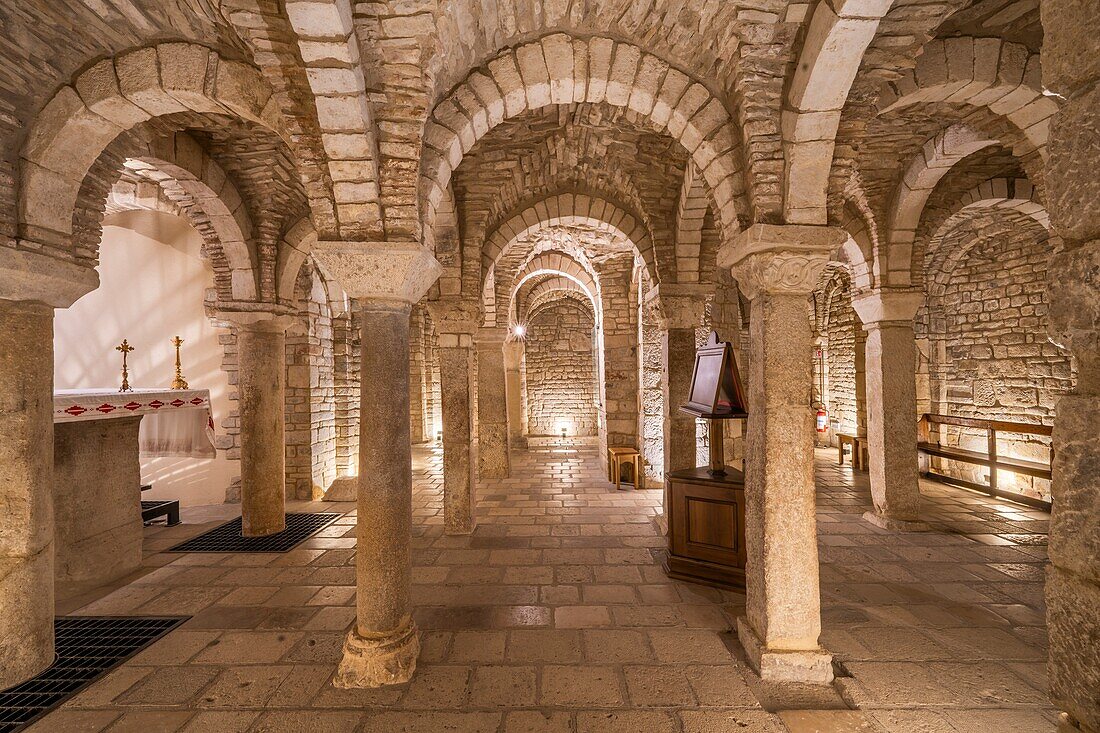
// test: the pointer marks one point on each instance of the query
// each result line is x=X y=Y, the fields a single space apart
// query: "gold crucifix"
x=125 y=348
x=179 y=382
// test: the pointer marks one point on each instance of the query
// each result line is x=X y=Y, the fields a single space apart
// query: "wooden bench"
x=988 y=458
x=619 y=455
x=859 y=450
x=167 y=508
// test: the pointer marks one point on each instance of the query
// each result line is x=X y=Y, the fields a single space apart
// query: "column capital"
x=884 y=305
x=396 y=272
x=262 y=317
x=786 y=260
x=491 y=336
x=678 y=306
x=455 y=317
x=29 y=275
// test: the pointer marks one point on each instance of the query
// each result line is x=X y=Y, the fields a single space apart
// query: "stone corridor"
x=555 y=616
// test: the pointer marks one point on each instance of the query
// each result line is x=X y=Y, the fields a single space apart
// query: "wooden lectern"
x=706 y=512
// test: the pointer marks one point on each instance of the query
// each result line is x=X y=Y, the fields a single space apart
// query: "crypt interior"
x=574 y=366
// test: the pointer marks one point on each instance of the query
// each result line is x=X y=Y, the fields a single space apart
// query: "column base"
x=459 y=528
x=1066 y=724
x=342 y=488
x=895 y=525
x=262 y=530
x=375 y=662
x=808 y=666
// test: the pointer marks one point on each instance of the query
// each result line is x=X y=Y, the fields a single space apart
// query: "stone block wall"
x=991 y=359
x=311 y=433
x=844 y=338
x=346 y=342
x=652 y=414
x=561 y=375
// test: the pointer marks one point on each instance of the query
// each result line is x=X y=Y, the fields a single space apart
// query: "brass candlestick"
x=125 y=348
x=179 y=382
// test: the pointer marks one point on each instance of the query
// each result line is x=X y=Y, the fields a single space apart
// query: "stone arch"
x=558 y=69
x=111 y=97
x=568 y=209
x=553 y=288
x=935 y=159
x=691 y=210
x=562 y=265
x=857 y=252
x=1010 y=195
x=837 y=37
x=295 y=249
x=213 y=205
x=1004 y=77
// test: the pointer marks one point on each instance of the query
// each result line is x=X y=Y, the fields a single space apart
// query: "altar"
x=99 y=438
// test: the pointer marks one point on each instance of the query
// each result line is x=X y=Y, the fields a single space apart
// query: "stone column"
x=777 y=267
x=386 y=279
x=620 y=350
x=679 y=316
x=261 y=403
x=31 y=286
x=514 y=392
x=891 y=359
x=418 y=382
x=455 y=321
x=492 y=405
x=1073 y=296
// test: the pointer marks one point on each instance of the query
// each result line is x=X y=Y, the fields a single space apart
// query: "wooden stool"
x=859 y=449
x=616 y=456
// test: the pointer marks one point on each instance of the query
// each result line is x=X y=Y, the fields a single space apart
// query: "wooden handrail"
x=1004 y=426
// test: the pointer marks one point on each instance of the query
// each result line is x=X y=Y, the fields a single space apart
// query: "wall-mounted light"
x=519 y=330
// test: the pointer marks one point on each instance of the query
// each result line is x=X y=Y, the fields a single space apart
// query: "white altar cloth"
x=175 y=422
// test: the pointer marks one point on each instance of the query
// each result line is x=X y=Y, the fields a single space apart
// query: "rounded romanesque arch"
x=569 y=209
x=558 y=69
x=109 y=98
x=1013 y=196
x=998 y=75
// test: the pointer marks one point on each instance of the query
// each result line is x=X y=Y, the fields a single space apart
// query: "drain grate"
x=86 y=648
x=228 y=538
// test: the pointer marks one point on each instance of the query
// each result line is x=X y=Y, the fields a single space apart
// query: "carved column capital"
x=788 y=260
x=678 y=306
x=259 y=317
x=386 y=272
x=885 y=305
x=455 y=320
x=27 y=275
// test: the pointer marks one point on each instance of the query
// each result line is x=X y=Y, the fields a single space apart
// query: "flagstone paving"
x=555 y=616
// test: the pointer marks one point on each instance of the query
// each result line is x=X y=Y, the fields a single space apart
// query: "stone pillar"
x=776 y=267
x=620 y=350
x=1073 y=297
x=261 y=400
x=891 y=359
x=679 y=316
x=515 y=394
x=492 y=405
x=385 y=279
x=456 y=320
x=419 y=419
x=31 y=286
x=26 y=465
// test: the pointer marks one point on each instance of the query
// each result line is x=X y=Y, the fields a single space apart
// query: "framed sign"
x=716 y=392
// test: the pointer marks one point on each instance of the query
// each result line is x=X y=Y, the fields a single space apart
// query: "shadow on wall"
x=152 y=286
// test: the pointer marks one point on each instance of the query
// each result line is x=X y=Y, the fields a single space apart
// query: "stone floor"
x=555 y=616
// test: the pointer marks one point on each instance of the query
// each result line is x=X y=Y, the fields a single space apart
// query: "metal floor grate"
x=228 y=538
x=86 y=648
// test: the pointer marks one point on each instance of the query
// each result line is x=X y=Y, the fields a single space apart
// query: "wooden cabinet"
x=706 y=535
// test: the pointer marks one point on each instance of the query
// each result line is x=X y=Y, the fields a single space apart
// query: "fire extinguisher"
x=822 y=419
